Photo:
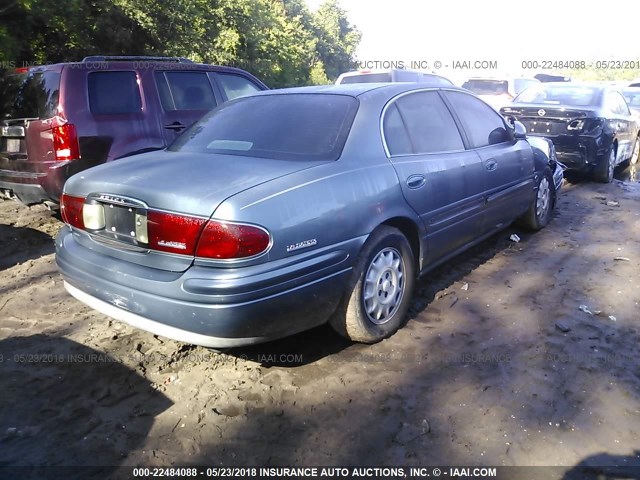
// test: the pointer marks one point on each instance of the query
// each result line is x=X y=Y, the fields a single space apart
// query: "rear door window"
x=30 y=95
x=483 y=125
x=235 y=86
x=429 y=123
x=185 y=91
x=114 y=93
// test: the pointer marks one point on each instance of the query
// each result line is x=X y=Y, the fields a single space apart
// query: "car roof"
x=357 y=89
x=132 y=64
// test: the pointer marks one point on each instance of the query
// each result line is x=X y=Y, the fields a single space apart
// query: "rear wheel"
x=379 y=292
x=604 y=171
x=539 y=213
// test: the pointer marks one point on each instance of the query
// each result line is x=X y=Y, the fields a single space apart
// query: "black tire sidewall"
x=357 y=325
x=544 y=221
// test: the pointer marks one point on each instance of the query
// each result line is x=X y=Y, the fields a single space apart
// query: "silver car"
x=287 y=209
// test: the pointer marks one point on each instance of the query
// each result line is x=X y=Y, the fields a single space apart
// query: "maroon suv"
x=57 y=120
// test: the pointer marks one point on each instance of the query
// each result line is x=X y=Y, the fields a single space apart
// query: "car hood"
x=193 y=183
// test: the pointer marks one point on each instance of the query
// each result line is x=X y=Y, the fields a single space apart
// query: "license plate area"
x=117 y=218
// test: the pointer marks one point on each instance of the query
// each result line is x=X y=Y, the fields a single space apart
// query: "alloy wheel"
x=384 y=285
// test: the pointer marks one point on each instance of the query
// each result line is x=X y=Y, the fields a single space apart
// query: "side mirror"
x=519 y=130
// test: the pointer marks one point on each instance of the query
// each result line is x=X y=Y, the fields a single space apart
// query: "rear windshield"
x=288 y=127
x=29 y=95
x=367 y=78
x=577 y=96
x=487 y=87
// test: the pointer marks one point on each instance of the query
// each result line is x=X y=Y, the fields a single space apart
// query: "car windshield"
x=487 y=87
x=367 y=78
x=632 y=97
x=33 y=95
x=287 y=126
x=578 y=96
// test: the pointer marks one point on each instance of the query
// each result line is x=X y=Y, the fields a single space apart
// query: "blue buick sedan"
x=287 y=209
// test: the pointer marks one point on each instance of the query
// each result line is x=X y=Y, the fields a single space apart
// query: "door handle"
x=416 y=181
x=175 y=126
x=491 y=165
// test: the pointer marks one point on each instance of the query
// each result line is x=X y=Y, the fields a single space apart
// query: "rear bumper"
x=213 y=307
x=36 y=187
x=27 y=193
x=580 y=152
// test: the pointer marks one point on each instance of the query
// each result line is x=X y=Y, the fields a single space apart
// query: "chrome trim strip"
x=143 y=323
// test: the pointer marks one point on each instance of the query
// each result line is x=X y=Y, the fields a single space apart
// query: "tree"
x=337 y=39
x=280 y=41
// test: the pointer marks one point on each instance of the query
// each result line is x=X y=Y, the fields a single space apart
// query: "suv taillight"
x=71 y=210
x=225 y=240
x=65 y=142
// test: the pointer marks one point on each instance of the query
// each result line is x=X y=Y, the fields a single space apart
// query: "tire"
x=386 y=264
x=633 y=160
x=604 y=171
x=539 y=213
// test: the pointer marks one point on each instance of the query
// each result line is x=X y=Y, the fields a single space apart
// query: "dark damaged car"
x=591 y=126
x=280 y=211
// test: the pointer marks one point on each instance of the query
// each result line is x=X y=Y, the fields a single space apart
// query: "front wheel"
x=379 y=292
x=539 y=213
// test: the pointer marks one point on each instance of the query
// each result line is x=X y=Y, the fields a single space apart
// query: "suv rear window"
x=487 y=87
x=288 y=127
x=112 y=93
x=29 y=95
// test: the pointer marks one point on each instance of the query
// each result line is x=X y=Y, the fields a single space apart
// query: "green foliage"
x=281 y=41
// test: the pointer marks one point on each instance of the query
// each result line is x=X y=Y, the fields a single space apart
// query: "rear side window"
x=113 y=93
x=617 y=104
x=482 y=124
x=33 y=95
x=430 y=126
x=185 y=91
x=395 y=133
x=235 y=86
x=289 y=127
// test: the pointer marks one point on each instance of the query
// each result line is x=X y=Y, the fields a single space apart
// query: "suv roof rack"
x=128 y=58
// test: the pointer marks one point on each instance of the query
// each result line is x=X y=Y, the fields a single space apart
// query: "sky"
x=506 y=32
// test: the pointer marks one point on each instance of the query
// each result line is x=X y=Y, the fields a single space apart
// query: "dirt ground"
x=515 y=354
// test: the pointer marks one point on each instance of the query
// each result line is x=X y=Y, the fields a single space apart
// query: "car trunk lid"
x=129 y=197
x=551 y=120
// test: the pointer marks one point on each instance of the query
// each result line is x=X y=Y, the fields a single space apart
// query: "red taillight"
x=173 y=233
x=65 y=142
x=224 y=240
x=71 y=210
